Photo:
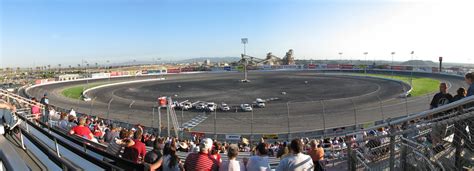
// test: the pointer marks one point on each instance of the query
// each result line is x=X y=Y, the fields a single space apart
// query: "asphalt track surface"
x=327 y=100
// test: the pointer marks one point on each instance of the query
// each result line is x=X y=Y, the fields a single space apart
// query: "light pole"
x=365 y=61
x=215 y=127
x=92 y=103
x=324 y=119
x=130 y=108
x=245 y=41
x=288 y=119
x=340 y=55
x=251 y=130
x=153 y=117
x=412 y=68
x=391 y=67
x=108 y=107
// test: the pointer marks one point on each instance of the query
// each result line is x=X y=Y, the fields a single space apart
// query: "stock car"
x=224 y=107
x=246 y=107
x=211 y=107
x=260 y=103
x=200 y=106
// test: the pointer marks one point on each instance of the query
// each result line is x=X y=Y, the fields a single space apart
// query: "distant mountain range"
x=191 y=60
x=212 y=59
x=301 y=61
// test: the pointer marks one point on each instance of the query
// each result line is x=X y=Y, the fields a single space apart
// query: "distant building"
x=207 y=62
x=68 y=77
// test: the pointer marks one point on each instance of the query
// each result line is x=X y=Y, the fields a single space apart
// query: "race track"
x=314 y=100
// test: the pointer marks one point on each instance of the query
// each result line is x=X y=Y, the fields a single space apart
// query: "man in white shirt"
x=297 y=161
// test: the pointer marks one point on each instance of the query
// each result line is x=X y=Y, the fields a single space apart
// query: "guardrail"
x=431 y=140
x=57 y=147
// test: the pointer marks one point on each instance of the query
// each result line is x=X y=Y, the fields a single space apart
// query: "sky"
x=42 y=32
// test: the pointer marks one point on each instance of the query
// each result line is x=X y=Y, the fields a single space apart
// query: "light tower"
x=245 y=41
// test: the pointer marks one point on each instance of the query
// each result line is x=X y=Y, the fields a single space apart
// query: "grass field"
x=75 y=92
x=421 y=85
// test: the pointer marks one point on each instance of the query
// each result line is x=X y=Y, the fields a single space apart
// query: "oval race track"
x=325 y=101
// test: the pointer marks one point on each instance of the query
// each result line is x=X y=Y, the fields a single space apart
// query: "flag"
x=393 y=53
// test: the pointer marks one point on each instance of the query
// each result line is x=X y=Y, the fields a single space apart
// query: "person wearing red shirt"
x=202 y=161
x=136 y=152
x=82 y=130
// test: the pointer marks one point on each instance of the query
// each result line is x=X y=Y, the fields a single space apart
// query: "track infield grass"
x=421 y=85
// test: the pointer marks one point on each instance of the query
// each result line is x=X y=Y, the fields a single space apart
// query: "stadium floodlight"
x=245 y=41
x=340 y=55
x=365 y=61
x=412 y=68
x=391 y=67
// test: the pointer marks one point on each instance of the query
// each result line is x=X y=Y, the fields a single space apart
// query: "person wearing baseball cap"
x=202 y=160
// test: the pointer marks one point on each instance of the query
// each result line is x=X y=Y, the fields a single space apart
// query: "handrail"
x=425 y=113
x=93 y=146
x=10 y=159
x=77 y=151
x=51 y=155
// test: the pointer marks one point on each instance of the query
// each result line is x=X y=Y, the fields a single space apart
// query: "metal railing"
x=436 y=139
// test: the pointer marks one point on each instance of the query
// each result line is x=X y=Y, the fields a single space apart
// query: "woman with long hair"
x=170 y=160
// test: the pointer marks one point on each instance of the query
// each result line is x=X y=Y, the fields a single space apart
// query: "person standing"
x=469 y=78
x=317 y=155
x=441 y=98
x=45 y=101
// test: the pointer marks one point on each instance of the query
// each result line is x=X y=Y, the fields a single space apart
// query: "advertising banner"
x=270 y=136
x=232 y=137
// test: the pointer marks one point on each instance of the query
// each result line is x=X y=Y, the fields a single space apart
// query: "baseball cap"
x=206 y=143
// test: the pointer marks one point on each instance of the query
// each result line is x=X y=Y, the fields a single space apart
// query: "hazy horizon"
x=65 y=32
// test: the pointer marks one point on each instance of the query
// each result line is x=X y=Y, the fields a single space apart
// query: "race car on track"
x=246 y=107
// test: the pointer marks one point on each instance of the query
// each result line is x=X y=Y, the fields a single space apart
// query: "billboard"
x=227 y=68
x=347 y=66
x=173 y=70
x=187 y=69
x=270 y=136
x=333 y=66
x=232 y=137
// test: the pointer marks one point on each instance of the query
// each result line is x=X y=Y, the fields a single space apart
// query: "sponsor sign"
x=333 y=66
x=270 y=136
x=198 y=134
x=173 y=70
x=232 y=137
x=347 y=66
